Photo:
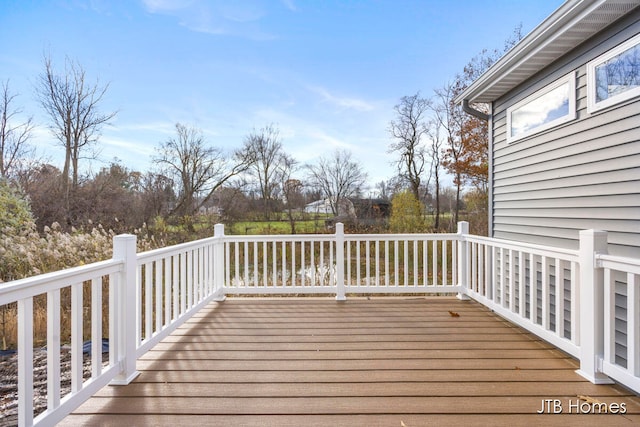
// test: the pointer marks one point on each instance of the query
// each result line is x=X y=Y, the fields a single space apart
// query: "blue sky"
x=326 y=73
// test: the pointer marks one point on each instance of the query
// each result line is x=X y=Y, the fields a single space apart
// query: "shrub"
x=406 y=214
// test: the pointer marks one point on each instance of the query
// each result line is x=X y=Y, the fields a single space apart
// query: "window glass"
x=615 y=76
x=619 y=74
x=547 y=108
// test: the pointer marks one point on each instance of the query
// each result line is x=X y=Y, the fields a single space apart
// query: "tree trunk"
x=437 y=185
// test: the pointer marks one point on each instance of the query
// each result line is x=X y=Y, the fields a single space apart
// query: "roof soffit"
x=566 y=28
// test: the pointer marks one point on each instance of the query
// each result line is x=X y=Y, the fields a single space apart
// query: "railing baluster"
x=454 y=265
x=302 y=267
x=96 y=328
x=76 y=337
x=445 y=269
x=256 y=274
x=377 y=262
x=405 y=247
x=512 y=279
x=148 y=300
x=415 y=259
x=473 y=267
x=53 y=349
x=575 y=299
x=227 y=264
x=167 y=290
x=396 y=263
x=293 y=264
x=321 y=264
x=483 y=272
x=633 y=324
x=148 y=307
x=157 y=283
x=113 y=298
x=175 y=285
x=609 y=320
x=265 y=264
x=559 y=298
x=25 y=362
x=183 y=283
x=546 y=290
x=274 y=263
x=387 y=273
x=368 y=263
x=358 y=262
x=312 y=262
x=333 y=278
x=522 y=282
x=434 y=263
x=237 y=276
x=533 y=289
x=201 y=275
x=425 y=262
x=503 y=279
x=493 y=274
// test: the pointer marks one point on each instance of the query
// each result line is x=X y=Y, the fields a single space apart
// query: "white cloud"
x=290 y=4
x=342 y=101
x=217 y=17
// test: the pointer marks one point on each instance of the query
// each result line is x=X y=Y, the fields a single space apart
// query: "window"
x=548 y=107
x=615 y=76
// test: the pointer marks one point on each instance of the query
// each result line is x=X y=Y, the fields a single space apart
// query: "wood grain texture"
x=379 y=361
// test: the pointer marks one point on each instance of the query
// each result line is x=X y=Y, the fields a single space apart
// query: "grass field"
x=276 y=227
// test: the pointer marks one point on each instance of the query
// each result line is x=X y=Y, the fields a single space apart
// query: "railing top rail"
x=628 y=265
x=278 y=237
x=403 y=236
x=331 y=237
x=161 y=252
x=568 y=254
x=36 y=285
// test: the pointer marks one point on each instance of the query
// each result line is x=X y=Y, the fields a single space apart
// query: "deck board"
x=378 y=361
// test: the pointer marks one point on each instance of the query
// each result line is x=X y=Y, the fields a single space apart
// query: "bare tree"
x=434 y=134
x=450 y=118
x=291 y=188
x=408 y=130
x=14 y=137
x=265 y=149
x=196 y=169
x=337 y=176
x=72 y=103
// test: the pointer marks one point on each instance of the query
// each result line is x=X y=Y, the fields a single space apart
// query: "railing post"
x=218 y=262
x=590 y=316
x=124 y=249
x=340 y=289
x=463 y=258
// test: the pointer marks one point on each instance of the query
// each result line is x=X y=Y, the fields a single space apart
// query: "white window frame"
x=569 y=79
x=592 y=105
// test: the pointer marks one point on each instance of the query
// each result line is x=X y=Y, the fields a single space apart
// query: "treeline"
x=432 y=142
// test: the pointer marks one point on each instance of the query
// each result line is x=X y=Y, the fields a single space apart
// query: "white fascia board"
x=559 y=22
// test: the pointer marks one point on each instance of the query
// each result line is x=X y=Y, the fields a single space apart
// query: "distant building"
x=319 y=207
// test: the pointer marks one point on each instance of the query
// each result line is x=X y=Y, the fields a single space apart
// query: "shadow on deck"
x=374 y=362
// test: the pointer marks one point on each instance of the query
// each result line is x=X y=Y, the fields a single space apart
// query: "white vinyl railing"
x=341 y=264
x=530 y=285
x=46 y=291
x=621 y=360
x=572 y=299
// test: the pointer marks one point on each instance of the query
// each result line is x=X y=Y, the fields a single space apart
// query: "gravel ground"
x=9 y=382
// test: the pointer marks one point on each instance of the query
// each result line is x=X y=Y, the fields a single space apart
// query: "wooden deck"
x=378 y=362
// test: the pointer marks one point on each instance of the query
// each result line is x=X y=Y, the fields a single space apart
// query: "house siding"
x=584 y=174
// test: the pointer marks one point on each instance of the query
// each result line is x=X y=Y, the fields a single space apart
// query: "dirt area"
x=9 y=382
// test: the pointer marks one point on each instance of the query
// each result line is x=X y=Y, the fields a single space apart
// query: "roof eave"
x=566 y=17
